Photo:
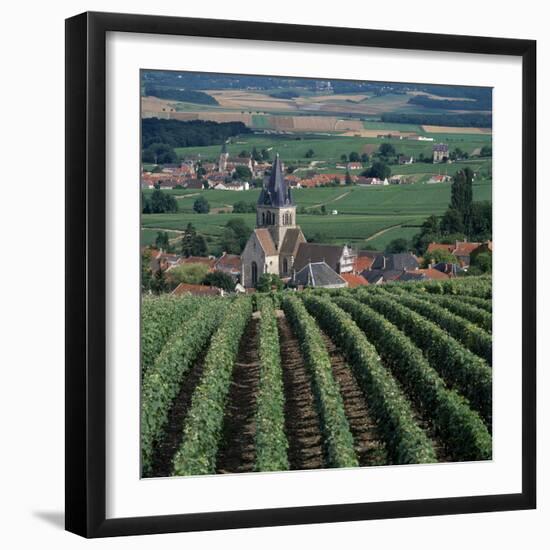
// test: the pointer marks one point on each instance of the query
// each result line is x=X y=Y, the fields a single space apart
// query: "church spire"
x=277 y=192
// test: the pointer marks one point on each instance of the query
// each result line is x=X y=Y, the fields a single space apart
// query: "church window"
x=254 y=269
x=263 y=218
x=285 y=266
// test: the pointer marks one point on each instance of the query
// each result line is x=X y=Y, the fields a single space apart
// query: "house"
x=462 y=250
x=184 y=289
x=230 y=264
x=404 y=261
x=354 y=166
x=364 y=260
x=354 y=280
x=232 y=186
x=440 y=152
x=405 y=159
x=193 y=184
x=273 y=245
x=341 y=259
x=427 y=274
x=372 y=181
x=415 y=137
x=439 y=178
x=206 y=261
x=319 y=275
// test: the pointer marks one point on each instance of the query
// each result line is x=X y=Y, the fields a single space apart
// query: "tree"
x=193 y=274
x=221 y=280
x=482 y=221
x=162 y=203
x=452 y=221
x=486 y=151
x=397 y=246
x=462 y=196
x=386 y=150
x=159 y=153
x=146 y=272
x=192 y=243
x=256 y=155
x=265 y=154
x=437 y=256
x=378 y=170
x=344 y=158
x=268 y=282
x=244 y=154
x=309 y=153
x=482 y=261
x=162 y=241
x=234 y=236
x=242 y=173
x=323 y=209
x=348 y=178
x=158 y=283
x=354 y=157
x=364 y=158
x=201 y=206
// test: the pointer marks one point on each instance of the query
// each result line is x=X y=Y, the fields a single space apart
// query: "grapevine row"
x=462 y=369
x=337 y=434
x=406 y=441
x=204 y=422
x=271 y=441
x=459 y=427
x=162 y=381
x=471 y=336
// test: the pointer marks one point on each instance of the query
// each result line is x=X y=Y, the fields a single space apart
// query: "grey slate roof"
x=395 y=262
x=312 y=252
x=290 y=242
x=319 y=275
x=373 y=276
x=277 y=192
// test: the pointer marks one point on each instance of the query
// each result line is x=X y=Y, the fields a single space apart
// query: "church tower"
x=276 y=210
x=222 y=160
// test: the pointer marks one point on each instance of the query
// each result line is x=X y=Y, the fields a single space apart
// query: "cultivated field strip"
x=204 y=423
x=471 y=336
x=405 y=440
x=460 y=368
x=459 y=427
x=160 y=317
x=162 y=381
x=336 y=431
x=271 y=440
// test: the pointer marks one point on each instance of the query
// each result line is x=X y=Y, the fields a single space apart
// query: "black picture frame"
x=86 y=277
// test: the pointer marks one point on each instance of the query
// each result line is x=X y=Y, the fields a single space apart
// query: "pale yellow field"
x=362 y=132
x=455 y=130
x=154 y=104
x=252 y=101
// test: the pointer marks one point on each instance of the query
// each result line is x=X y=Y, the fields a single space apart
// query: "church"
x=273 y=246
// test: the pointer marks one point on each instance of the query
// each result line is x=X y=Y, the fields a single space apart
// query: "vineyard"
x=391 y=374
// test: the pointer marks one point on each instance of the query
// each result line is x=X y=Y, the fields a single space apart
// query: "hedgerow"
x=203 y=425
x=162 y=380
x=460 y=368
x=459 y=427
x=271 y=441
x=405 y=440
x=336 y=431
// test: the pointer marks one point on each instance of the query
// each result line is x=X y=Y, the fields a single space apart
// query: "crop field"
x=398 y=374
x=363 y=212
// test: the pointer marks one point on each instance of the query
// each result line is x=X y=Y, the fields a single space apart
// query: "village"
x=277 y=253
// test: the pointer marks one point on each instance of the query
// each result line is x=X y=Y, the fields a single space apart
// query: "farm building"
x=440 y=152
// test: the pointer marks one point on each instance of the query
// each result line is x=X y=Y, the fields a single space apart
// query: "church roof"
x=319 y=274
x=292 y=241
x=277 y=192
x=313 y=252
x=266 y=241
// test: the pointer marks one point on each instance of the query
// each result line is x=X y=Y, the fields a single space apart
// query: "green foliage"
x=386 y=150
x=460 y=368
x=480 y=317
x=460 y=428
x=438 y=255
x=397 y=246
x=159 y=153
x=378 y=170
x=268 y=282
x=483 y=261
x=336 y=431
x=234 y=236
x=193 y=243
x=146 y=272
x=193 y=273
x=406 y=441
x=242 y=207
x=242 y=173
x=201 y=206
x=220 y=279
x=177 y=94
x=162 y=381
x=159 y=203
x=158 y=282
x=271 y=441
x=203 y=426
x=309 y=154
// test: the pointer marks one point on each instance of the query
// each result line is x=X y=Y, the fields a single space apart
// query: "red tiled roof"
x=362 y=263
x=196 y=290
x=432 y=273
x=440 y=246
x=465 y=249
x=229 y=261
x=199 y=260
x=354 y=280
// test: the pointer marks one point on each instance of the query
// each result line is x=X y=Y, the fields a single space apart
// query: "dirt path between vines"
x=382 y=231
x=369 y=447
x=302 y=424
x=237 y=451
x=173 y=433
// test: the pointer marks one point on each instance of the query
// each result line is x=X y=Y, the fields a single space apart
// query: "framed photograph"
x=289 y=293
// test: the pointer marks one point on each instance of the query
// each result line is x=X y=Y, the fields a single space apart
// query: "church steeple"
x=276 y=193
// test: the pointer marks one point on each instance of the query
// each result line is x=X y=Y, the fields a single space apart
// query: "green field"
x=362 y=212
